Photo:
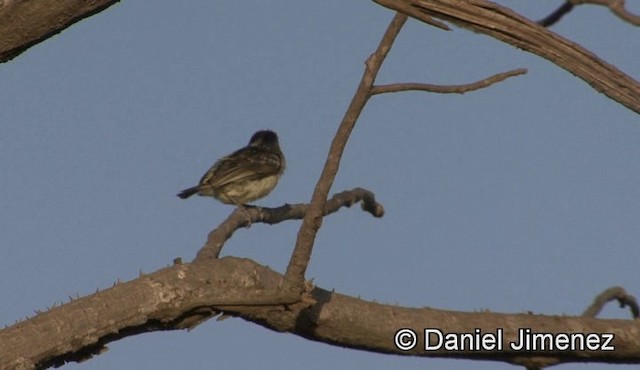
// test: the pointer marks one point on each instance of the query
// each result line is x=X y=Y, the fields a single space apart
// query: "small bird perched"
x=245 y=175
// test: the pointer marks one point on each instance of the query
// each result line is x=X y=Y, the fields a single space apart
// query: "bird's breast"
x=247 y=191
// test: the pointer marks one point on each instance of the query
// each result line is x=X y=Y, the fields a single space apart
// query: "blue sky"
x=520 y=197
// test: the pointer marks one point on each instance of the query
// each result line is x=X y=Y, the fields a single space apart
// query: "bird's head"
x=264 y=137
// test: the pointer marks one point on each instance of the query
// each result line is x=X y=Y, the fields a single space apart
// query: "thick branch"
x=163 y=300
x=505 y=25
x=182 y=296
x=26 y=23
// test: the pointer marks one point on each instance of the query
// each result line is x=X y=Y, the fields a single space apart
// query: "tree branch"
x=614 y=293
x=26 y=23
x=611 y=294
x=313 y=218
x=184 y=295
x=238 y=219
x=447 y=89
x=557 y=14
x=616 y=6
x=507 y=26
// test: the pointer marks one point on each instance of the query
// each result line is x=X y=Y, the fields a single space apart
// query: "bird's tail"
x=186 y=193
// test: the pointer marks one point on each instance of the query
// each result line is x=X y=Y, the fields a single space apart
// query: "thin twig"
x=557 y=14
x=313 y=219
x=616 y=6
x=447 y=89
x=243 y=218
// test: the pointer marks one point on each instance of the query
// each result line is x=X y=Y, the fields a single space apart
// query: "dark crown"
x=264 y=137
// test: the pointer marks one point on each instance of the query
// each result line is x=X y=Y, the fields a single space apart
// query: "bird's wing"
x=245 y=164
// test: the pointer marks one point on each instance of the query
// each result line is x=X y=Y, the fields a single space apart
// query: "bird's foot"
x=244 y=209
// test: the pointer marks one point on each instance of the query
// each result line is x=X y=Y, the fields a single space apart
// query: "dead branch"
x=26 y=23
x=271 y=216
x=556 y=15
x=313 y=219
x=447 y=89
x=613 y=294
x=183 y=295
x=505 y=25
x=616 y=6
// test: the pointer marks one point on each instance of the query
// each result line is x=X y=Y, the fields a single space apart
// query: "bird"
x=246 y=175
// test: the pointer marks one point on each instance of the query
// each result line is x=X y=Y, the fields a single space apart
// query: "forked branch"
x=505 y=25
x=313 y=219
